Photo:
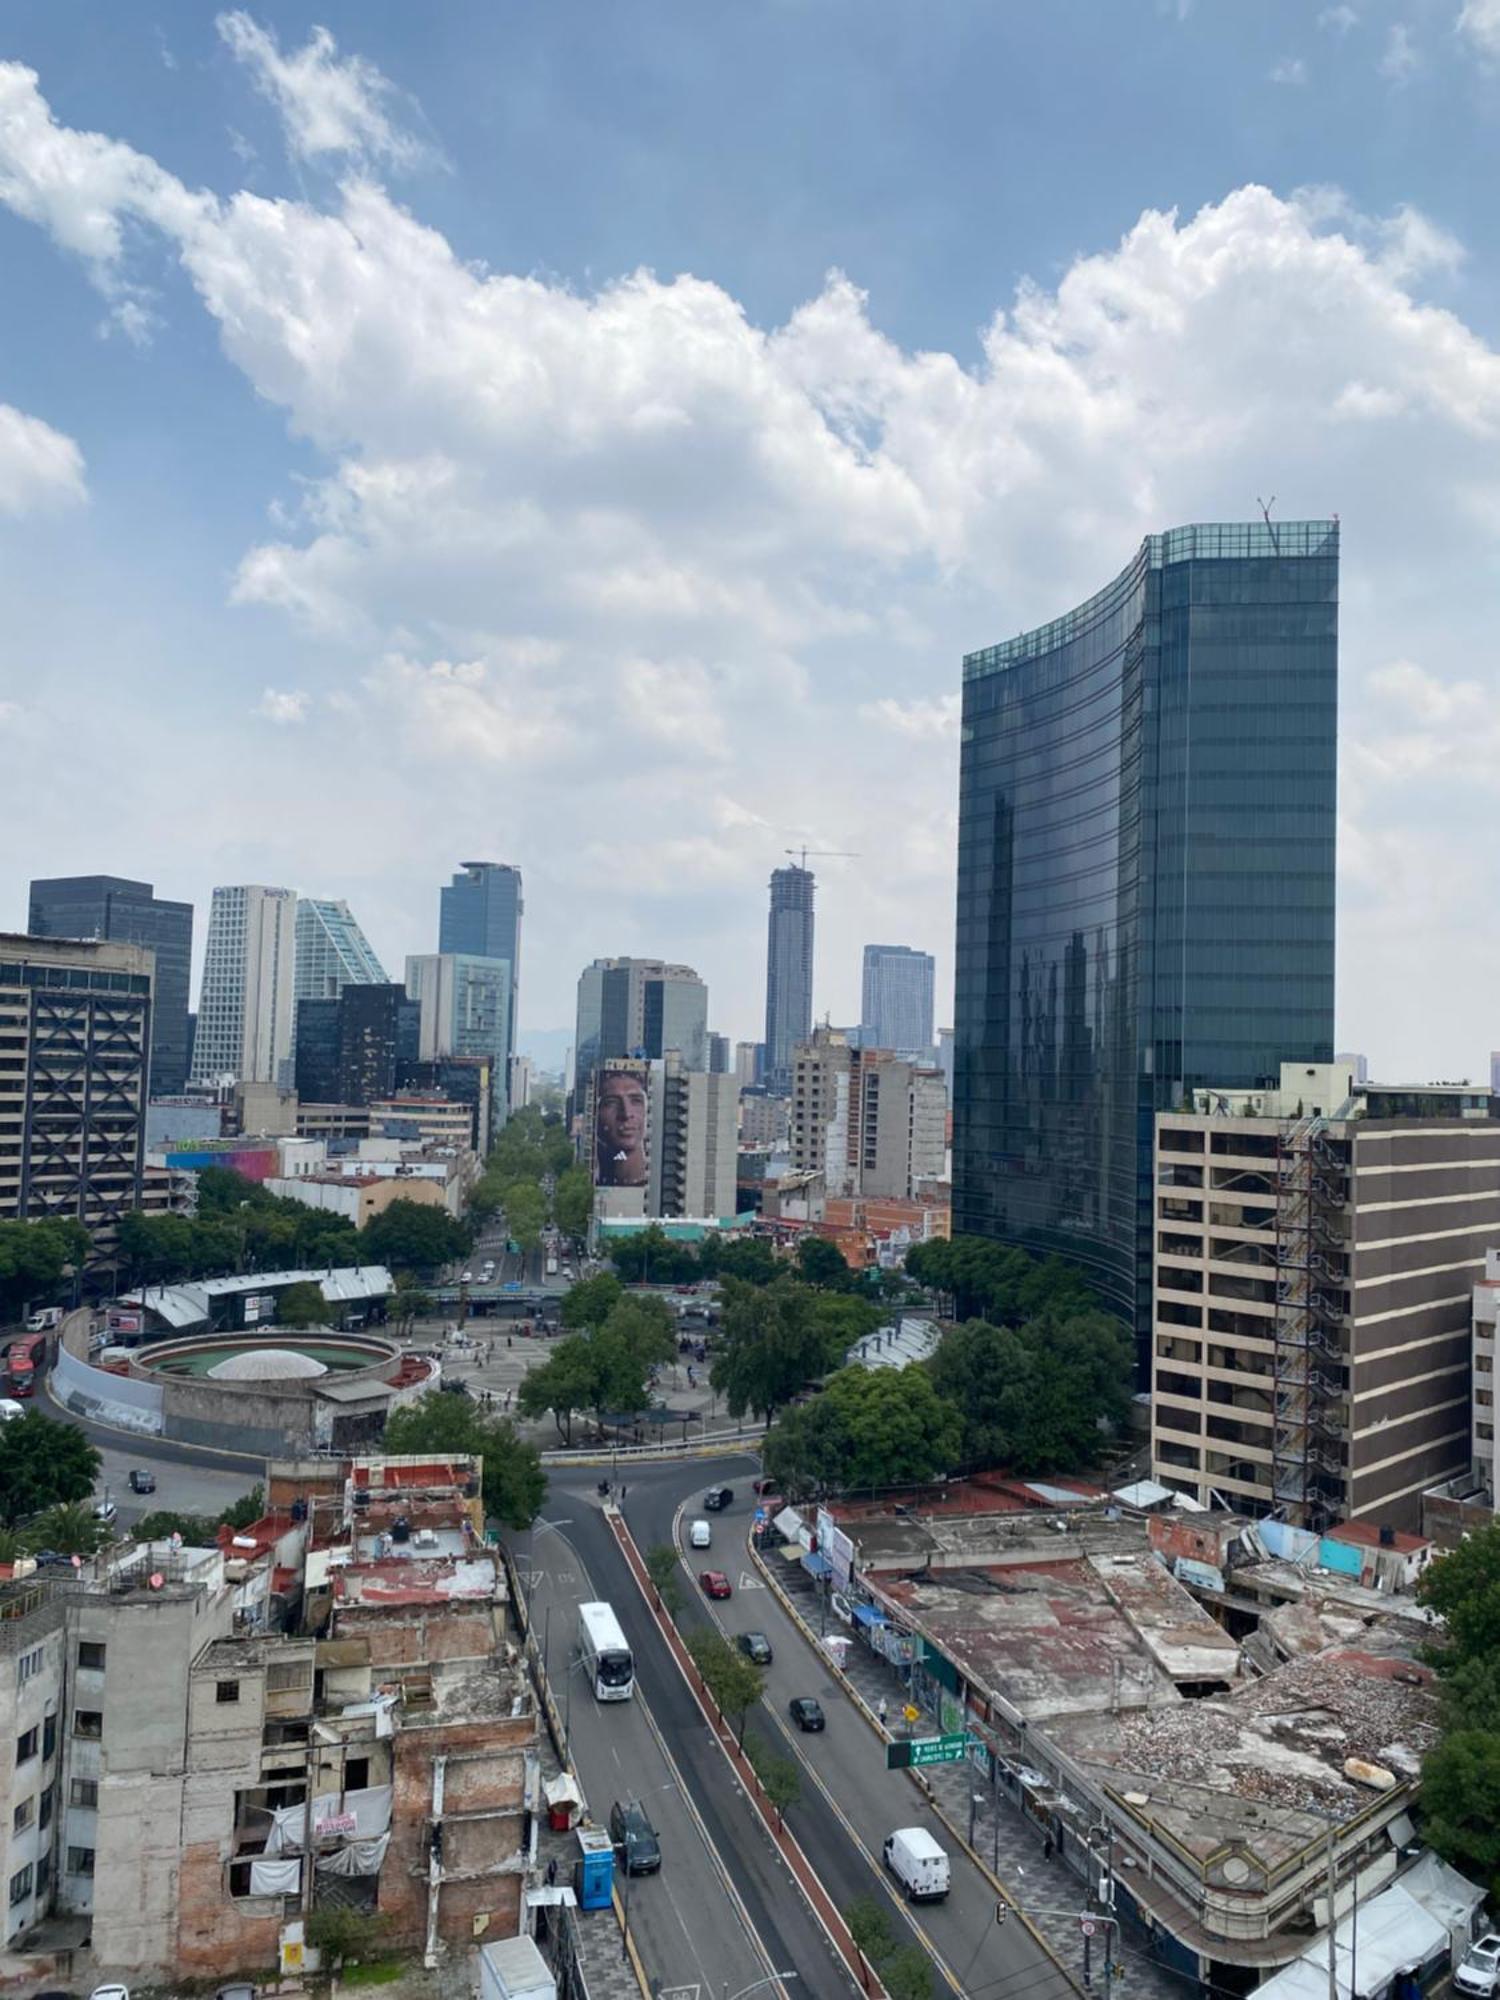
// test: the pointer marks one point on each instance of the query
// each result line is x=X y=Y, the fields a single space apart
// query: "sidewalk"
x=1011 y=1844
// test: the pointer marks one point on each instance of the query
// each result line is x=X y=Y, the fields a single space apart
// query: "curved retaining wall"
x=128 y=1404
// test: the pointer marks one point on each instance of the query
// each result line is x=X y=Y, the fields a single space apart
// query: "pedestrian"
x=509 y=1341
x=1047 y=1848
x=552 y=1873
x=881 y=1711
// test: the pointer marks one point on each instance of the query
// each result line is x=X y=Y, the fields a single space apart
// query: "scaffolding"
x=1307 y=1439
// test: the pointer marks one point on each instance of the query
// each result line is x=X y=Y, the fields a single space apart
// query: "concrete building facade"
x=789 y=972
x=869 y=1122
x=638 y=1007
x=32 y=1679
x=695 y=1153
x=75 y=1046
x=245 y=1009
x=465 y=1004
x=1317 y=1251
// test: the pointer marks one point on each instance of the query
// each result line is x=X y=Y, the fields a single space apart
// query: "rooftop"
x=392 y=1582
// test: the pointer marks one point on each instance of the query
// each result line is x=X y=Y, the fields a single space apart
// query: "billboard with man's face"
x=620 y=1121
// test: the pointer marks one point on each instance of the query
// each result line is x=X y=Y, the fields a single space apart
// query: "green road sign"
x=926 y=1750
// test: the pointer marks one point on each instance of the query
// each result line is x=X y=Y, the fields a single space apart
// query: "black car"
x=717 y=1498
x=142 y=1482
x=634 y=1836
x=755 y=1646
x=805 y=1712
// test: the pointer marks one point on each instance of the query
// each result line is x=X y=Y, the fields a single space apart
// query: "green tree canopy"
x=997 y=1282
x=1461 y=1803
x=33 y=1257
x=301 y=1306
x=1031 y=1398
x=72 y=1528
x=1463 y=1587
x=43 y=1464
x=514 y=1482
x=573 y=1202
x=664 y=1568
x=735 y=1682
x=649 y=1256
x=870 y=1427
x=563 y=1385
x=780 y=1776
x=413 y=1236
x=525 y=1208
x=590 y=1302
x=820 y=1262
x=776 y=1341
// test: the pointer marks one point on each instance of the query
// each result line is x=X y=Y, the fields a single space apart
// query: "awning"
x=816 y=1565
x=794 y=1554
x=789 y=1523
x=867 y=1614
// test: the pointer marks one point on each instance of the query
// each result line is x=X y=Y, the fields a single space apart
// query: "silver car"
x=1478 y=1971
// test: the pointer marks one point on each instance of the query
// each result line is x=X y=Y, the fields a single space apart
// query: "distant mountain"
x=547 y=1047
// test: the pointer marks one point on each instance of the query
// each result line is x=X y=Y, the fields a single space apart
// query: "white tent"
x=1413 y=1923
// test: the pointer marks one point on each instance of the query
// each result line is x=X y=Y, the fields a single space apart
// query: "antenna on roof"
x=1265 y=507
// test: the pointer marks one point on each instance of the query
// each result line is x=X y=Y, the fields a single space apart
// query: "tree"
x=1032 y=1397
x=223 y=1191
x=563 y=1385
x=1463 y=1587
x=779 y=1775
x=514 y=1482
x=1461 y=1802
x=33 y=1257
x=573 y=1202
x=343 y=1936
x=72 y=1528
x=650 y=1256
x=664 y=1569
x=43 y=1463
x=907 y=1974
x=408 y=1304
x=870 y=1427
x=301 y=1306
x=735 y=1683
x=870 y=1927
x=155 y=1249
x=200 y=1531
x=413 y=1236
x=773 y=1344
x=589 y=1303
x=241 y=1513
x=820 y=1262
x=1471 y=1693
x=997 y=1282
x=525 y=1212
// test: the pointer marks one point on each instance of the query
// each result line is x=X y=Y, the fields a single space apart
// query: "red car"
x=715 y=1583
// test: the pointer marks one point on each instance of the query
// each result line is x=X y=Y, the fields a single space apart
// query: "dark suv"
x=717 y=1498
x=630 y=1830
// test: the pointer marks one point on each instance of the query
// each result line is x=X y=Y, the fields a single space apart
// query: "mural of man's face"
x=621 y=1123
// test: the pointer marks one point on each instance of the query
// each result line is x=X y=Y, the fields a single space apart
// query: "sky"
x=589 y=437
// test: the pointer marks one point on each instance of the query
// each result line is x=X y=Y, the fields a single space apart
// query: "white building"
x=249 y=967
x=695 y=1140
x=32 y=1663
x=522 y=1081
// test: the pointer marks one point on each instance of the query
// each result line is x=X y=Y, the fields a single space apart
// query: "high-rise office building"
x=1145 y=880
x=870 y=1122
x=480 y=917
x=316 y=1070
x=638 y=1007
x=896 y=1007
x=249 y=970
x=332 y=951
x=379 y=1032
x=464 y=1010
x=110 y=906
x=747 y=1064
x=75 y=1025
x=789 y=972
x=718 y=1054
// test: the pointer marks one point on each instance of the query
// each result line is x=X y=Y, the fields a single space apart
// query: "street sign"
x=1086 y=1925
x=912 y=1714
x=926 y=1750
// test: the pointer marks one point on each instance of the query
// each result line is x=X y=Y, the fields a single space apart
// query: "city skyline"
x=856 y=478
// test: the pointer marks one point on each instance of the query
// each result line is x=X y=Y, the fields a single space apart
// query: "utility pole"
x=1333 y=1885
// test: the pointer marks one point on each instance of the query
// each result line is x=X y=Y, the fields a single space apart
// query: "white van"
x=918 y=1864
x=10 y=1408
x=700 y=1535
x=44 y=1319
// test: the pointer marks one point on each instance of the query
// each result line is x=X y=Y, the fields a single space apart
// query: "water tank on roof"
x=401 y=1529
x=1387 y=1536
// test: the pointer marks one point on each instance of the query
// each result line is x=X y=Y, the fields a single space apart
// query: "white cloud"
x=1480 y=22
x=1338 y=19
x=1401 y=58
x=39 y=467
x=282 y=705
x=1290 y=70
x=327 y=106
x=640 y=592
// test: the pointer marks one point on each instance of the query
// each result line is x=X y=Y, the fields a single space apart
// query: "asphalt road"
x=850 y=1800
x=791 y=1936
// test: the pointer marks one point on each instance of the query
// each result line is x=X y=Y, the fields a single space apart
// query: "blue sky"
x=362 y=513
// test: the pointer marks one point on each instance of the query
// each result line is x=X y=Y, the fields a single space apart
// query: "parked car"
x=717 y=1498
x=715 y=1583
x=142 y=1481
x=104 y=1510
x=700 y=1535
x=632 y=1832
x=1478 y=1971
x=755 y=1646
x=51 y=1559
x=805 y=1712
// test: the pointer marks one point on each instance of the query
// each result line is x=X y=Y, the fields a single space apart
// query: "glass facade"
x=479 y=916
x=789 y=973
x=1148 y=791
x=110 y=906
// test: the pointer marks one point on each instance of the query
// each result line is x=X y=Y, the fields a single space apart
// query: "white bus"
x=551 y=1264
x=606 y=1657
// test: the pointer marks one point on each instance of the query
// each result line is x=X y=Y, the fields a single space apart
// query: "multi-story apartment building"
x=789 y=972
x=32 y=1679
x=1317 y=1249
x=1147 y=805
x=75 y=1041
x=109 y=906
x=896 y=1005
x=695 y=1152
x=245 y=1009
x=1482 y=1354
x=869 y=1122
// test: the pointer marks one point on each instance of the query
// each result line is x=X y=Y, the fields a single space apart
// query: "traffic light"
x=1002 y=1911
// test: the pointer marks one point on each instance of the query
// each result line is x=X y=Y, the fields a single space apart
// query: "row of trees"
x=530 y=1176
x=604 y=1365
x=240 y=1227
x=1461 y=1778
x=1037 y=1388
x=33 y=1258
x=997 y=1282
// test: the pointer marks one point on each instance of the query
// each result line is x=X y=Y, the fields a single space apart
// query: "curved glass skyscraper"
x=1145 y=879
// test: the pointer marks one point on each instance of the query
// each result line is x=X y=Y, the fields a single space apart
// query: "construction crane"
x=820 y=854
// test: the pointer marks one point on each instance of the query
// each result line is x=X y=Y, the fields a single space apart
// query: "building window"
x=226 y=1691
x=84 y=1792
x=80 y=1860
x=20 y=1819
x=20 y=1885
x=88 y=1722
x=29 y=1665
x=49 y=1735
x=44 y=1817
x=356 y=1774
x=90 y=1655
x=26 y=1746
